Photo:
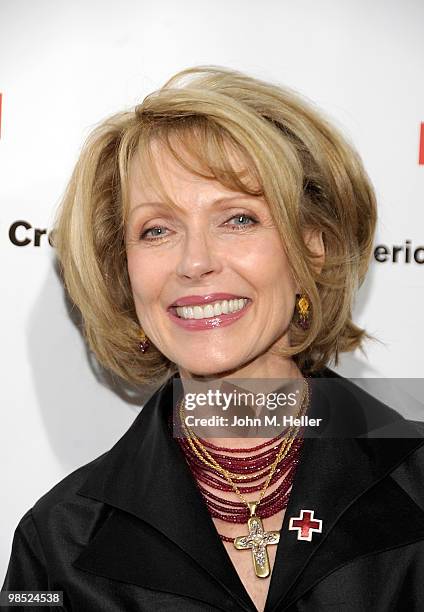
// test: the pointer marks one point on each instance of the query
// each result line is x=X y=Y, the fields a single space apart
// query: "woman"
x=219 y=231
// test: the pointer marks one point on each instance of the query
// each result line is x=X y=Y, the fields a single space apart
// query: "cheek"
x=144 y=282
x=265 y=263
x=133 y=272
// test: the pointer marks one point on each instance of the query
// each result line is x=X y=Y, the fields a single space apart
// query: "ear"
x=314 y=240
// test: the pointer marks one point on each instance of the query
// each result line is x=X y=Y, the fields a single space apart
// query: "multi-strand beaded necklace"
x=211 y=466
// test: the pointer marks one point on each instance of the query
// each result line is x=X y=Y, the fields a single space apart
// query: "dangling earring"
x=303 y=311
x=144 y=341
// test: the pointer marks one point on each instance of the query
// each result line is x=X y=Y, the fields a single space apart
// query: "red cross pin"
x=305 y=524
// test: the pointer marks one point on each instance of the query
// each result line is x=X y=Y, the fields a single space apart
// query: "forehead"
x=156 y=174
x=159 y=164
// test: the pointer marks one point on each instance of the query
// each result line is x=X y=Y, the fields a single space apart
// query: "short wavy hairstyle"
x=309 y=174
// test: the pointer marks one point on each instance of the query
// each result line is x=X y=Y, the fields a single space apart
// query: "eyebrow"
x=212 y=203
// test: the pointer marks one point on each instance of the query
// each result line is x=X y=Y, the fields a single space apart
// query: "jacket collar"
x=159 y=534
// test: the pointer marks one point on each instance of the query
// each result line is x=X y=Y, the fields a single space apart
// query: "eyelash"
x=238 y=227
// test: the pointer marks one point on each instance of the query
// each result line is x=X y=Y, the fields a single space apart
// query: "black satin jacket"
x=130 y=531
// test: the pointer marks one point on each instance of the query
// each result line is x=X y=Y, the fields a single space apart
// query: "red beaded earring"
x=144 y=341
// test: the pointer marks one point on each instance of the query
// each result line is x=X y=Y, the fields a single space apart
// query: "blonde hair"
x=309 y=174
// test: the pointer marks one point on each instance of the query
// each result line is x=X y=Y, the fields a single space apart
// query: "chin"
x=212 y=367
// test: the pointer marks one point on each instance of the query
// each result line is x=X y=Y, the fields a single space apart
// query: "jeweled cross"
x=306 y=524
x=257 y=539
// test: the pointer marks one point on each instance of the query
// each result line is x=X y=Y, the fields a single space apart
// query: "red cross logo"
x=305 y=524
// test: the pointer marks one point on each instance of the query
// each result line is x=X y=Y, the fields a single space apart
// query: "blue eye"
x=241 y=216
x=161 y=229
x=152 y=229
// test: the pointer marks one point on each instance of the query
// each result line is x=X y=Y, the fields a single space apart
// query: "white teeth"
x=211 y=310
x=217 y=310
x=198 y=312
x=207 y=310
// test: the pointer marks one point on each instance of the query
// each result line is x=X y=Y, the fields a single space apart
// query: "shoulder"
x=52 y=531
x=357 y=406
x=384 y=424
x=66 y=488
x=410 y=473
x=62 y=506
x=419 y=426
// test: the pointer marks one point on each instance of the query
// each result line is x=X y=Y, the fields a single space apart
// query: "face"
x=221 y=242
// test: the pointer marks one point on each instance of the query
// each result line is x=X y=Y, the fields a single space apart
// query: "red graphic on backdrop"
x=421 y=153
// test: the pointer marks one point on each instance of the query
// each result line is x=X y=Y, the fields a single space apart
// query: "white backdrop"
x=65 y=65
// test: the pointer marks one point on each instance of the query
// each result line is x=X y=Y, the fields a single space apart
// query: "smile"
x=211 y=310
x=215 y=314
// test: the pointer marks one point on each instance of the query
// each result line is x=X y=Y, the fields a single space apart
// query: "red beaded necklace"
x=254 y=469
x=236 y=512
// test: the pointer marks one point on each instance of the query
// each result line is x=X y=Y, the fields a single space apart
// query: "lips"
x=209 y=323
x=190 y=300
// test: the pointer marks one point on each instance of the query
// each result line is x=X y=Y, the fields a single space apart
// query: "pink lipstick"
x=213 y=322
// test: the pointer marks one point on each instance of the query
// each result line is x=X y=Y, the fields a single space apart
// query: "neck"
x=264 y=367
x=259 y=378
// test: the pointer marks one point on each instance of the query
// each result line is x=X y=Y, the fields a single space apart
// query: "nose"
x=198 y=256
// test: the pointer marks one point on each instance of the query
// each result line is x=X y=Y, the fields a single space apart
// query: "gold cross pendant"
x=257 y=539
